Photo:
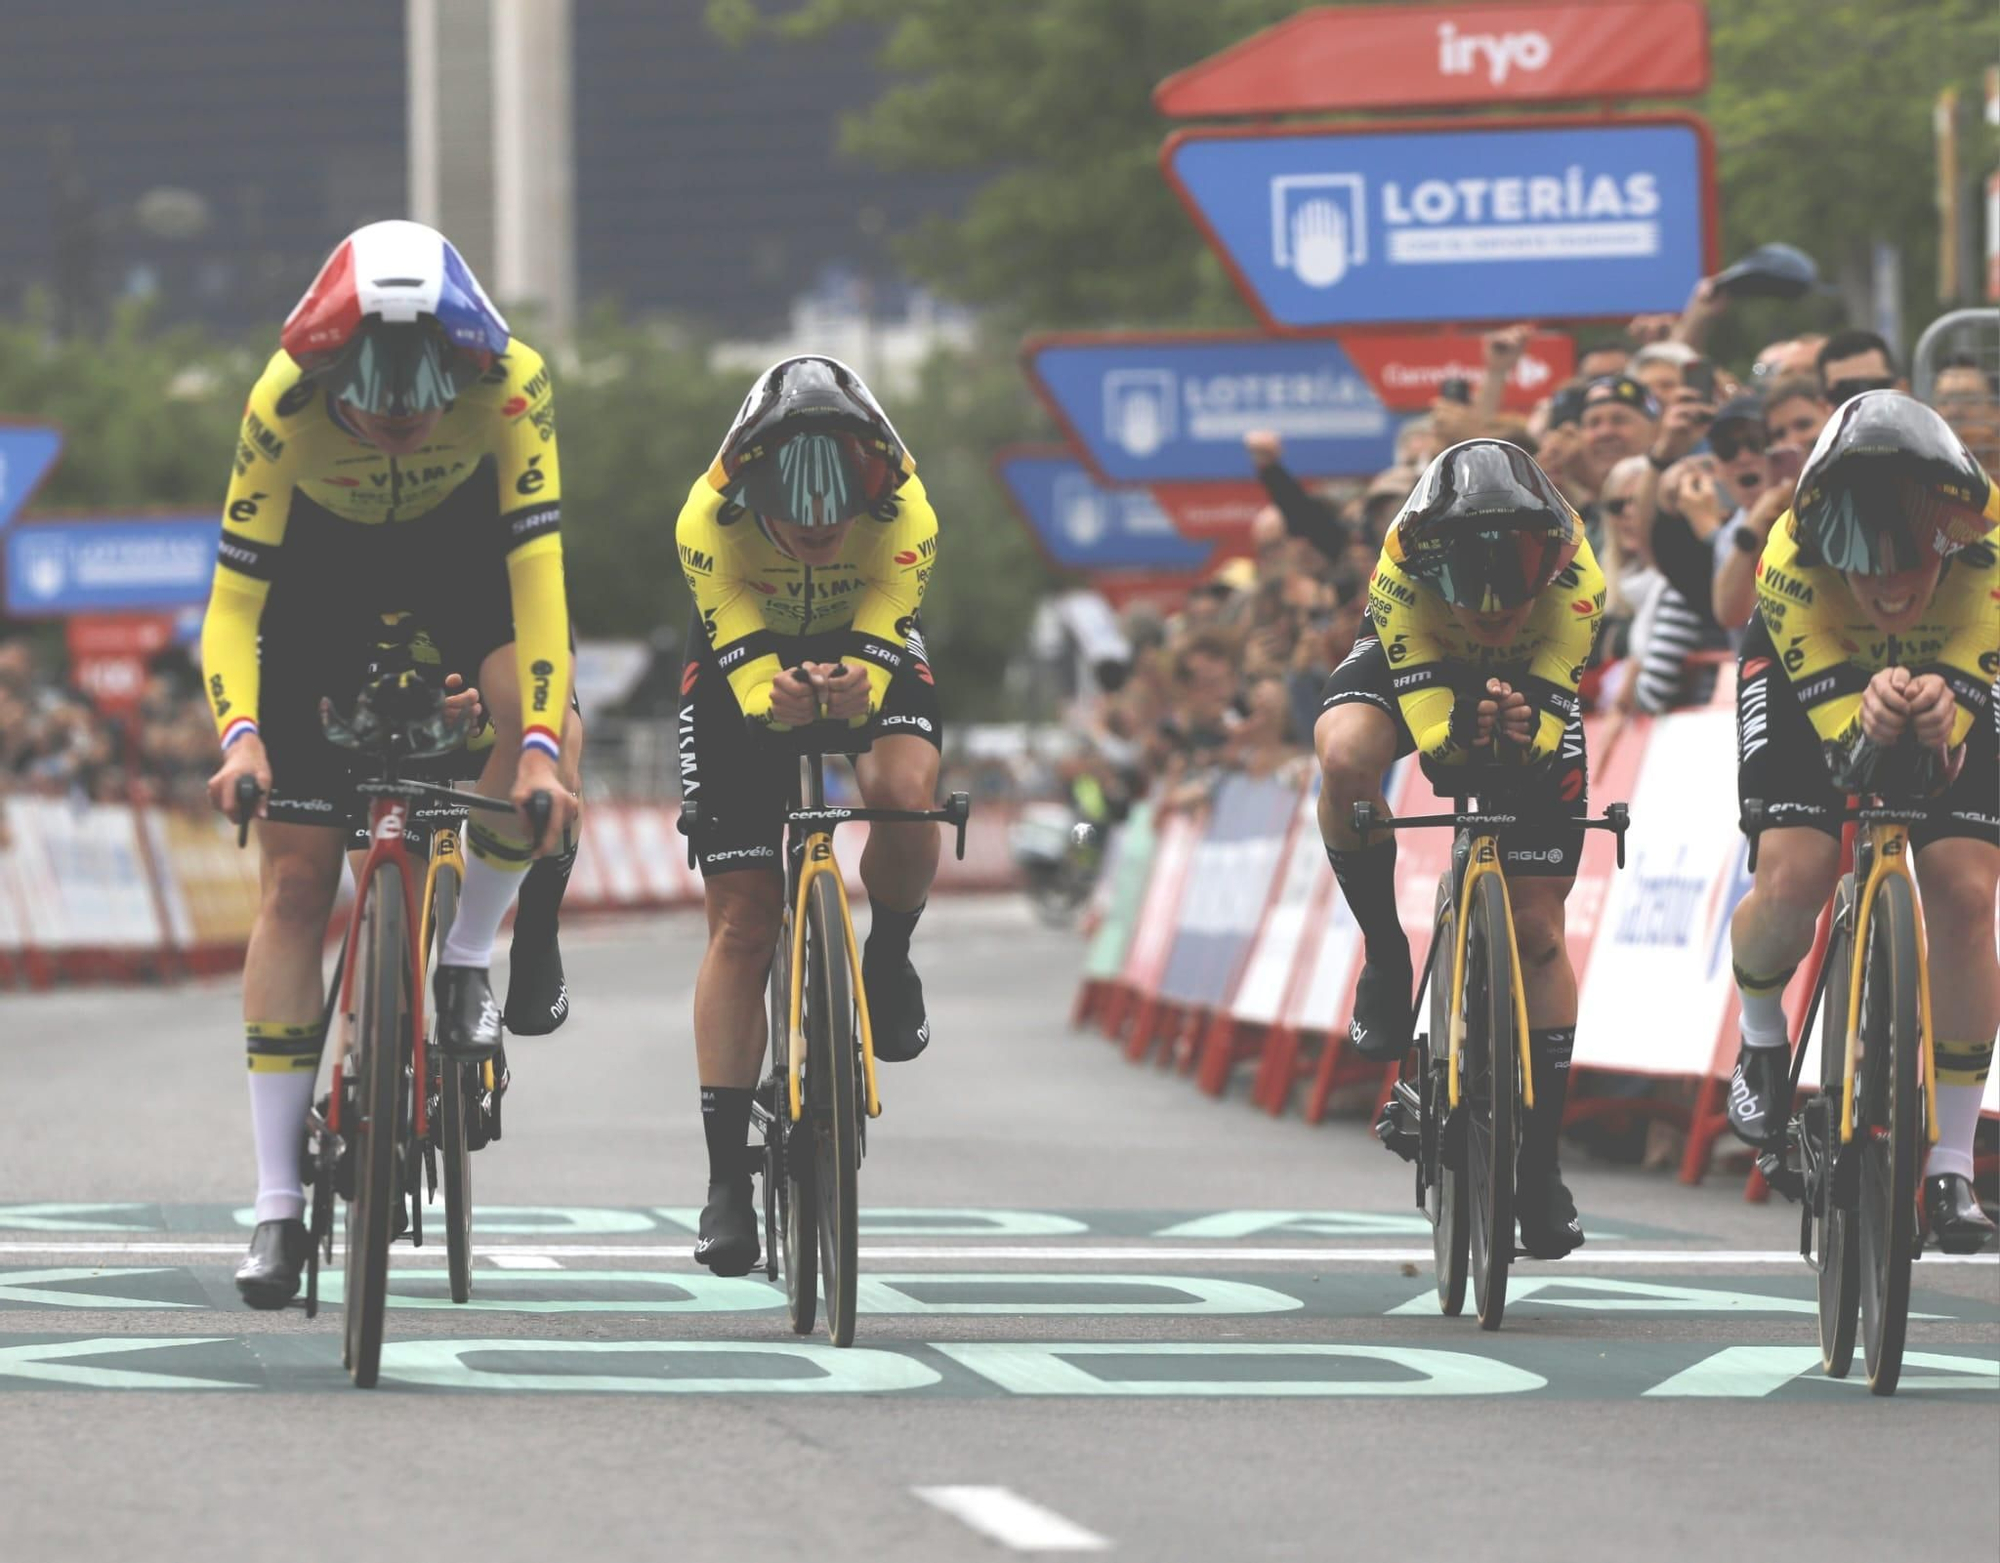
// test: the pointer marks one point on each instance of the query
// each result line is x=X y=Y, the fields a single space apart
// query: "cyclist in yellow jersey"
x=1870 y=669
x=1481 y=614
x=397 y=455
x=807 y=545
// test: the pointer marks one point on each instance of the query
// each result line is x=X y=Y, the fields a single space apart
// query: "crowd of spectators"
x=1679 y=467
x=54 y=742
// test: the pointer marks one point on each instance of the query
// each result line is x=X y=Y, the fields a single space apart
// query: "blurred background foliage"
x=1822 y=116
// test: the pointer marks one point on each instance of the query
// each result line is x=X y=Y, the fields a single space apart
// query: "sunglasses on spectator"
x=1617 y=507
x=1730 y=441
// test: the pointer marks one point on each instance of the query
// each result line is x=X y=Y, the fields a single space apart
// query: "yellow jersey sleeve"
x=1807 y=634
x=1968 y=601
x=897 y=559
x=530 y=482
x=254 y=514
x=1564 y=627
x=1419 y=667
x=745 y=649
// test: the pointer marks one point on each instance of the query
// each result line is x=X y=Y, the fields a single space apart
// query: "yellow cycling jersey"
x=753 y=596
x=1432 y=661
x=293 y=441
x=1830 y=649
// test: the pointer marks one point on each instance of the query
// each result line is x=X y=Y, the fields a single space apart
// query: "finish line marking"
x=501 y=1260
x=1005 y=1516
x=501 y=1253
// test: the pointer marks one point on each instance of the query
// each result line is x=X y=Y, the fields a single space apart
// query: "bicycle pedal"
x=1399 y=1124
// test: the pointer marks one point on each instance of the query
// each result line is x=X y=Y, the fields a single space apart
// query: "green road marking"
x=55 y=1362
x=1599 y=1294
x=908 y=1221
x=654 y=1367
x=70 y=1218
x=34 y=1289
x=998 y=1292
x=1309 y=1370
x=630 y=1291
x=1752 y=1372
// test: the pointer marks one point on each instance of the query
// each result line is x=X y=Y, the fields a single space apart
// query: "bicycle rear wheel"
x=1488 y=1094
x=797 y=1194
x=1447 y=1196
x=458 y=1098
x=377 y=1124
x=1839 y=1255
x=1890 y=1124
x=833 y=1055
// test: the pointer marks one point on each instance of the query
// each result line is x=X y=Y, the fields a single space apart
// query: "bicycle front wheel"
x=833 y=1060
x=1838 y=1254
x=1448 y=1198
x=1889 y=1124
x=1488 y=1095
x=459 y=1086
x=797 y=1193
x=376 y=1121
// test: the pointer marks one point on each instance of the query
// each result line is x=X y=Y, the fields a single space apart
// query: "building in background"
x=210 y=158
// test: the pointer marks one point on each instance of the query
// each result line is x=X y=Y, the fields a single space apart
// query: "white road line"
x=1011 y=1520
x=505 y=1261
x=1134 y=1253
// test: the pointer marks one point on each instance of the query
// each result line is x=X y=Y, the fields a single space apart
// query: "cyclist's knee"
x=299 y=892
x=1356 y=745
x=1795 y=876
x=1958 y=880
x=1539 y=931
x=903 y=788
x=744 y=912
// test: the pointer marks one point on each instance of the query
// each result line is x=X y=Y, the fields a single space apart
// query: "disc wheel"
x=833 y=1063
x=1446 y=1194
x=797 y=1196
x=375 y=1068
x=459 y=1086
x=1889 y=1127
x=1835 y=1244
x=1491 y=1065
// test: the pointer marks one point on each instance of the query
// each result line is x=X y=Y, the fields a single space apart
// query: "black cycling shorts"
x=1559 y=787
x=1781 y=761
x=740 y=778
x=334 y=580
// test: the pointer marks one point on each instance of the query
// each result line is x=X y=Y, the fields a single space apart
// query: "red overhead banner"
x=1218 y=513
x=1409 y=370
x=1434 y=56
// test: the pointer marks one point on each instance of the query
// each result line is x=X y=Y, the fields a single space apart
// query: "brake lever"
x=688 y=824
x=247 y=795
x=958 y=809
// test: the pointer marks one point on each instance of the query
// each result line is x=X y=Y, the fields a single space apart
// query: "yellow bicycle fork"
x=1484 y=860
x=819 y=860
x=1889 y=845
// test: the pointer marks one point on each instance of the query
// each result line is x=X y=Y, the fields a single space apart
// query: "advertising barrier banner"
x=1512 y=220
x=1228 y=883
x=1126 y=869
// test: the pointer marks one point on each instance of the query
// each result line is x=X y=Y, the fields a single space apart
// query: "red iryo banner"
x=1213 y=512
x=1430 y=56
x=1408 y=370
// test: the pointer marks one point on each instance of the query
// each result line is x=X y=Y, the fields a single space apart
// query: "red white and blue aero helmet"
x=395 y=322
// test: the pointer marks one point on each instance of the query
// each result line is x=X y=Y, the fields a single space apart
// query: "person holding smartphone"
x=1794 y=414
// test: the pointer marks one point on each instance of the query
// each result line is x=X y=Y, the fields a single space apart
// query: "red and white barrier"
x=115 y=890
x=1650 y=944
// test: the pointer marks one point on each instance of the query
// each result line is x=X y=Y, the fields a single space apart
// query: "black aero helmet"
x=811 y=446
x=1888 y=487
x=1485 y=527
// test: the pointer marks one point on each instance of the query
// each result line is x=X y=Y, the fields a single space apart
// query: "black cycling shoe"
x=1380 y=1029
x=895 y=1009
x=537 y=995
x=1760 y=1094
x=269 y=1274
x=468 y=1019
x=1957 y=1221
x=727 y=1243
x=1549 y=1226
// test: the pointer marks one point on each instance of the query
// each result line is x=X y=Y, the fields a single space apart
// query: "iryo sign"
x=1408 y=371
x=1423 y=56
x=1506 y=220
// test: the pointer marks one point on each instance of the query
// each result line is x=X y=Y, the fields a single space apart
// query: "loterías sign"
x=1430 y=56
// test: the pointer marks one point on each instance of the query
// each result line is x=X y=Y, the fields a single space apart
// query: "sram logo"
x=1459 y=53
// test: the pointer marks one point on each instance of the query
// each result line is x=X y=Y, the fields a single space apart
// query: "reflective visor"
x=396 y=374
x=820 y=478
x=1887 y=524
x=1488 y=571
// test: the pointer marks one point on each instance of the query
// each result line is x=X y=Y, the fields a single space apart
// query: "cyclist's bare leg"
x=1356 y=745
x=1772 y=930
x=1549 y=1227
x=1958 y=877
x=283 y=988
x=899 y=862
x=1547 y=978
x=744 y=913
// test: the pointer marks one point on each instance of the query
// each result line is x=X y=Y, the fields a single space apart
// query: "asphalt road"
x=1102 y=1312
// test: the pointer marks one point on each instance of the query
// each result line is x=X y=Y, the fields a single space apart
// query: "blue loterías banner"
x=1325 y=226
x=110 y=565
x=1175 y=408
x=1082 y=525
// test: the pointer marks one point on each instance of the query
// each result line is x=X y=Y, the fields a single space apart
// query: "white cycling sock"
x=283 y=1066
x=1961 y=1083
x=494 y=868
x=1763 y=1004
